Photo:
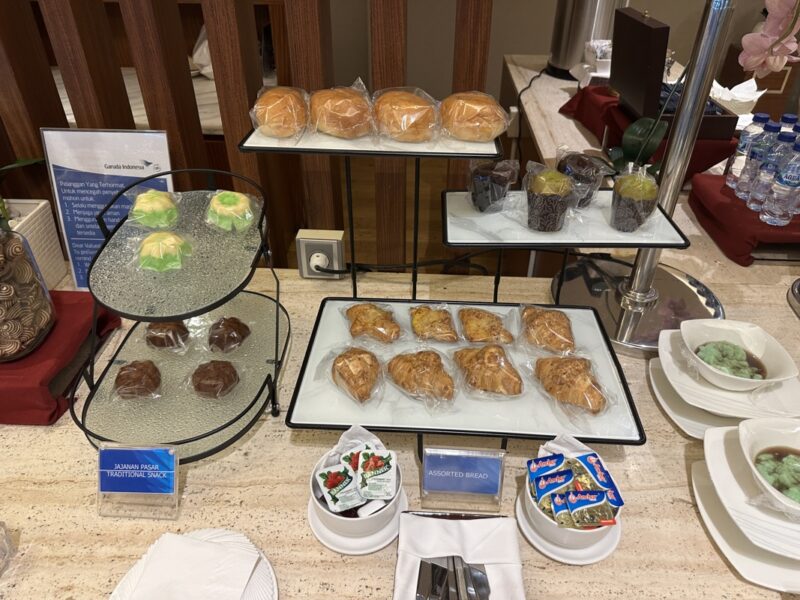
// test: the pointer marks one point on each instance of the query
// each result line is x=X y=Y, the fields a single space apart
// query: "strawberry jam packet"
x=377 y=474
x=351 y=456
x=338 y=484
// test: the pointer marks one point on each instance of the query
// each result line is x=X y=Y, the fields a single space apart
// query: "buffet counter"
x=259 y=486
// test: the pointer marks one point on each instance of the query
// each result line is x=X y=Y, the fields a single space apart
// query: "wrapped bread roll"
x=473 y=117
x=343 y=112
x=281 y=112
x=406 y=115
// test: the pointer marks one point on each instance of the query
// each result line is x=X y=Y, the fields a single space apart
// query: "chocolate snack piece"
x=227 y=334
x=173 y=334
x=137 y=379
x=214 y=379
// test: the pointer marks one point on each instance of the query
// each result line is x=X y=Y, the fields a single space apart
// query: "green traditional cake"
x=230 y=211
x=163 y=251
x=154 y=209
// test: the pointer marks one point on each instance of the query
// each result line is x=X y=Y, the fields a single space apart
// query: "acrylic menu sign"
x=462 y=478
x=87 y=167
x=137 y=481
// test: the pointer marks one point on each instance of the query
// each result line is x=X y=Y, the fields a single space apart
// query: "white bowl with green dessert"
x=736 y=356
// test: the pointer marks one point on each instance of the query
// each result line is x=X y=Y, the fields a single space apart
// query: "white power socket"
x=320 y=248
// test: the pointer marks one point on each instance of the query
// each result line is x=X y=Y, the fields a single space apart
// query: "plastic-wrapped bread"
x=406 y=115
x=343 y=112
x=473 y=117
x=281 y=112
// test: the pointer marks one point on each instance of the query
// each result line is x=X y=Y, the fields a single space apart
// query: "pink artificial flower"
x=770 y=49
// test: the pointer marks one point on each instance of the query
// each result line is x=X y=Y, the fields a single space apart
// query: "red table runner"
x=736 y=229
x=25 y=397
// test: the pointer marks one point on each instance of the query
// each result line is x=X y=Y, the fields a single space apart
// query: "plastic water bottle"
x=774 y=160
x=739 y=158
x=788 y=121
x=780 y=203
x=759 y=145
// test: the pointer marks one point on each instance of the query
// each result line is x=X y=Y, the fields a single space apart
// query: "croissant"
x=483 y=326
x=548 y=329
x=487 y=368
x=422 y=374
x=373 y=321
x=570 y=380
x=356 y=371
x=433 y=324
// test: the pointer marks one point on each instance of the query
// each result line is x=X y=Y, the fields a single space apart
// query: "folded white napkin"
x=180 y=567
x=491 y=542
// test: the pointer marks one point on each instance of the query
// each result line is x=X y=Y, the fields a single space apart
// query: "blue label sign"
x=137 y=470
x=466 y=472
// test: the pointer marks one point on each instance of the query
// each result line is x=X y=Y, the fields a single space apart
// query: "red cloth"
x=24 y=395
x=596 y=108
x=736 y=229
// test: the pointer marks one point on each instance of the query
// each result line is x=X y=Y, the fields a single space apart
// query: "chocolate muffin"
x=549 y=196
x=227 y=334
x=634 y=199
x=490 y=182
x=214 y=379
x=173 y=334
x=586 y=175
x=137 y=379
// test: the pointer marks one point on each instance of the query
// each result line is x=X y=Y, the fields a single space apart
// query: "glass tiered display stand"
x=209 y=285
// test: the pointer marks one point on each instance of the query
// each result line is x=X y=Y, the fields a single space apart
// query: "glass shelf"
x=179 y=414
x=220 y=265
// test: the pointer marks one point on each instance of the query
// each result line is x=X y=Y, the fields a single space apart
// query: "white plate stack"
x=695 y=405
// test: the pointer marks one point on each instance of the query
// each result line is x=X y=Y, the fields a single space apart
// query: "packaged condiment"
x=541 y=466
x=591 y=474
x=558 y=482
x=561 y=512
x=339 y=487
x=590 y=508
x=377 y=474
x=351 y=456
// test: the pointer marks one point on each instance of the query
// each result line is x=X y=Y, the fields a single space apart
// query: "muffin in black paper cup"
x=550 y=194
x=634 y=199
x=489 y=182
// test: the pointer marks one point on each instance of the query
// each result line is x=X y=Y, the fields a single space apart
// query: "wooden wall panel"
x=309 y=42
x=388 y=24
x=231 y=28
x=29 y=99
x=82 y=43
x=280 y=43
x=155 y=36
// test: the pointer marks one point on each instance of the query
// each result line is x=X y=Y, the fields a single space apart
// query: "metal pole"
x=708 y=50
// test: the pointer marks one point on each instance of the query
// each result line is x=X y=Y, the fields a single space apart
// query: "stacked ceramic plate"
x=746 y=509
x=697 y=396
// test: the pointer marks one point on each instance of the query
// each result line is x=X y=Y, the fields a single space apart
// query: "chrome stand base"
x=793 y=296
x=634 y=327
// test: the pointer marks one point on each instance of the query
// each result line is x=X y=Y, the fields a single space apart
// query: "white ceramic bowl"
x=756 y=435
x=575 y=539
x=756 y=341
x=353 y=527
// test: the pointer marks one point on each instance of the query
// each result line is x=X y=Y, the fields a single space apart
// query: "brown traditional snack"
x=137 y=379
x=433 y=324
x=483 y=326
x=373 y=321
x=227 y=333
x=488 y=368
x=356 y=371
x=342 y=112
x=281 y=112
x=173 y=334
x=473 y=117
x=405 y=116
x=422 y=374
x=214 y=379
x=570 y=380
x=548 y=329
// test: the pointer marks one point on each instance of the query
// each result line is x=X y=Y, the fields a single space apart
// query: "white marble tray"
x=318 y=404
x=319 y=143
x=465 y=226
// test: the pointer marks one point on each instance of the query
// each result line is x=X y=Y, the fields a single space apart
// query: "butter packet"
x=561 y=511
x=351 y=457
x=543 y=465
x=339 y=487
x=377 y=474
x=553 y=483
x=590 y=508
x=591 y=474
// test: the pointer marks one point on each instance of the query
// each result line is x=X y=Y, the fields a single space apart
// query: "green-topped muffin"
x=154 y=209
x=549 y=196
x=634 y=199
x=163 y=251
x=230 y=211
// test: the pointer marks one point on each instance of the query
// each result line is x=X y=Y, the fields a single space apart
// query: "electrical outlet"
x=320 y=247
